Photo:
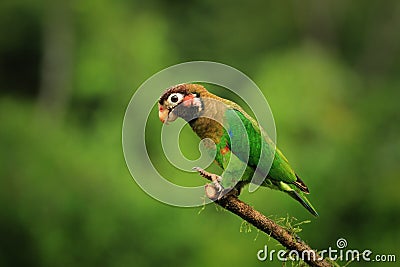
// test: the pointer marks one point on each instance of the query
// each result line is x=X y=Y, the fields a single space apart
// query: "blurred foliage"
x=330 y=71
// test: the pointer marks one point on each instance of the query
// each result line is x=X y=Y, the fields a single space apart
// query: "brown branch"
x=268 y=226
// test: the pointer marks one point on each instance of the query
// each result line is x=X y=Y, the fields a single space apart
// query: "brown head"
x=183 y=100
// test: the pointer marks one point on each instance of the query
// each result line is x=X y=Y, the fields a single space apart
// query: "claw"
x=208 y=175
x=203 y=173
x=216 y=179
x=217 y=185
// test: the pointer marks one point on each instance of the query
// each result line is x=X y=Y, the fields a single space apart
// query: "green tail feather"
x=303 y=201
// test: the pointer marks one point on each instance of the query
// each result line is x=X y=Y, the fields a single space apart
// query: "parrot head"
x=183 y=100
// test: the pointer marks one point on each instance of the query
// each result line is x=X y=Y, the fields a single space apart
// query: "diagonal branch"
x=257 y=219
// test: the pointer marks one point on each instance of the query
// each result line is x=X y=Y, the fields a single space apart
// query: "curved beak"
x=162 y=113
x=165 y=115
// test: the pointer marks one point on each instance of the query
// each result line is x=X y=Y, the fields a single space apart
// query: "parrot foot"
x=215 y=190
x=213 y=193
x=216 y=179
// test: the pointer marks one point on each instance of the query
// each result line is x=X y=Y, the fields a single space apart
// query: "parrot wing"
x=259 y=150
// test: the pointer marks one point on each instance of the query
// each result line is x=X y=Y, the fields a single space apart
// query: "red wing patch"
x=224 y=150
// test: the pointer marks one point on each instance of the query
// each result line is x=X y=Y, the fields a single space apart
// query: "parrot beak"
x=162 y=113
x=165 y=115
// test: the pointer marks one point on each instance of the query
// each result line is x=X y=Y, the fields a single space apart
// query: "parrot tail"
x=301 y=185
x=303 y=201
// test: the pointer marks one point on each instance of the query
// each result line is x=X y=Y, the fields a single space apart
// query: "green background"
x=329 y=70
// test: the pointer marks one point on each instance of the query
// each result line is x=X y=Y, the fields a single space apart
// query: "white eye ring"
x=175 y=98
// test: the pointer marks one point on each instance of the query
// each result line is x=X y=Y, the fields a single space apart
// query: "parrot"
x=242 y=148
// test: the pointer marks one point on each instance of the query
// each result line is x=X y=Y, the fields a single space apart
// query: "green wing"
x=260 y=147
x=234 y=150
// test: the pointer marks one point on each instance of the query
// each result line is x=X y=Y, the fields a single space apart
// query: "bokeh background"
x=329 y=69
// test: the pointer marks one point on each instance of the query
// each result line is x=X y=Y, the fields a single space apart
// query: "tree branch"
x=257 y=219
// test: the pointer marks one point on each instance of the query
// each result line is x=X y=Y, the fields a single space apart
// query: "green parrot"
x=241 y=148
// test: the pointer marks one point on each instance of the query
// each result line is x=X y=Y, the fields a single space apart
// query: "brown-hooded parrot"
x=242 y=148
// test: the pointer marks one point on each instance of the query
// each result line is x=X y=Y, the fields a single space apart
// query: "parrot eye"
x=175 y=98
